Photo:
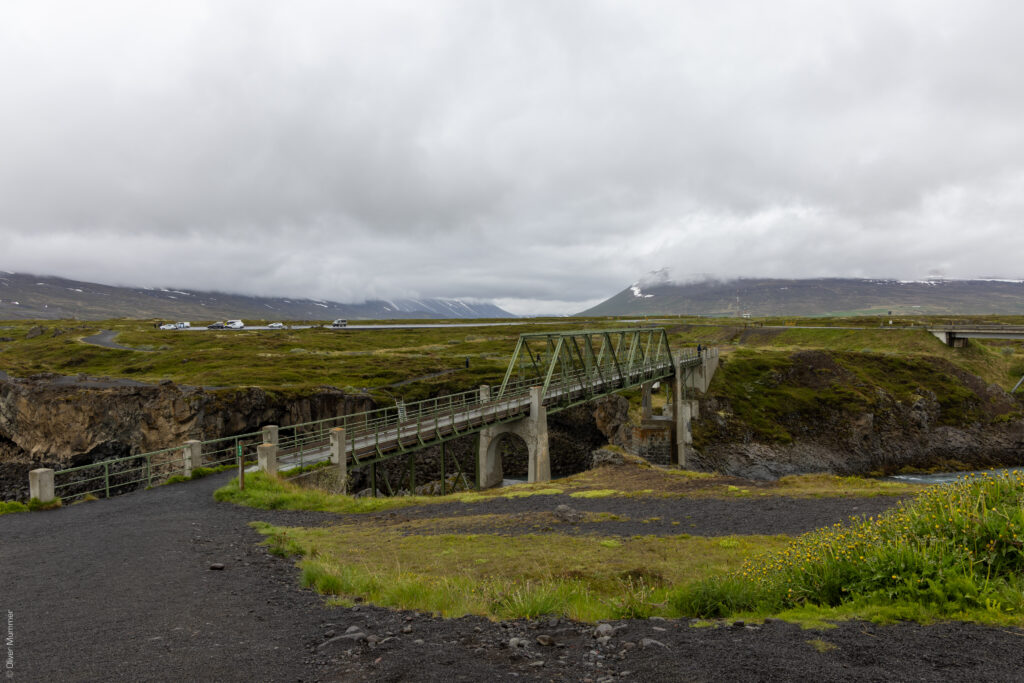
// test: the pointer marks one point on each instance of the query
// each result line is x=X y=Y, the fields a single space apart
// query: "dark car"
x=216 y=326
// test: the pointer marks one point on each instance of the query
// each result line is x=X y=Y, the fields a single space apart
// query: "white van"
x=234 y=324
x=182 y=326
x=340 y=322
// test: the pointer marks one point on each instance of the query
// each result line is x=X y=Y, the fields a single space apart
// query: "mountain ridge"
x=27 y=296
x=759 y=297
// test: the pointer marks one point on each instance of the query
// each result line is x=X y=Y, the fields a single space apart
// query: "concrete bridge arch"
x=533 y=430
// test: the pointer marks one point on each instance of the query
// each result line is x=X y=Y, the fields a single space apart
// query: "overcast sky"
x=541 y=154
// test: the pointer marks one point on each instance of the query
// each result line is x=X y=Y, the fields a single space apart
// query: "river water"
x=947 y=477
x=936 y=478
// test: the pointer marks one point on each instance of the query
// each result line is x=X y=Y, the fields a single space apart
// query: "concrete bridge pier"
x=685 y=410
x=533 y=430
x=681 y=413
x=645 y=400
x=950 y=339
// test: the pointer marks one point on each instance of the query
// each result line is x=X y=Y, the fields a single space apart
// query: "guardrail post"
x=267 y=456
x=193 y=456
x=270 y=434
x=40 y=484
x=485 y=393
x=338 y=444
x=338 y=455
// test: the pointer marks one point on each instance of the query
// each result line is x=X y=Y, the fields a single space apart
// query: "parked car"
x=275 y=326
x=168 y=326
x=340 y=322
x=216 y=326
x=234 y=324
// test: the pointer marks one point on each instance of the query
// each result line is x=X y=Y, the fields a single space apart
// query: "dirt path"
x=105 y=338
x=122 y=590
x=640 y=516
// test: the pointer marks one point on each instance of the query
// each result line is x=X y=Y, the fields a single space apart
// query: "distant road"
x=396 y=326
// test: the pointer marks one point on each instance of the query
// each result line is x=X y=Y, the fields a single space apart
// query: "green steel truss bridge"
x=547 y=372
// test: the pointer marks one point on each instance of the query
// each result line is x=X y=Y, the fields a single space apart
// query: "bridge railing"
x=119 y=475
x=226 y=450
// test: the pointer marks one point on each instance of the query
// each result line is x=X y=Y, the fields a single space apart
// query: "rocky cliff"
x=771 y=414
x=59 y=422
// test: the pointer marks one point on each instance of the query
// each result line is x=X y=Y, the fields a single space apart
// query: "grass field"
x=415 y=363
x=416 y=564
x=948 y=552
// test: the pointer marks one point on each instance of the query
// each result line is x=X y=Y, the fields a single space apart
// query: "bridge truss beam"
x=580 y=366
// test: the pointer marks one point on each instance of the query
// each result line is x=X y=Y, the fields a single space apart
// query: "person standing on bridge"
x=698 y=349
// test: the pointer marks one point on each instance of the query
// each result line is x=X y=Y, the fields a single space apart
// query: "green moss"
x=36 y=505
x=596 y=493
x=820 y=645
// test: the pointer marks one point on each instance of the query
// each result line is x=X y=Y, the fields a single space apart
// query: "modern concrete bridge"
x=957 y=335
x=548 y=372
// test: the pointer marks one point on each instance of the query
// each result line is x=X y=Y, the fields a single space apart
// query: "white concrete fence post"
x=193 y=456
x=266 y=454
x=338 y=453
x=270 y=434
x=40 y=485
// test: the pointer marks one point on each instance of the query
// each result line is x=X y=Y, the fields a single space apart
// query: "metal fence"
x=119 y=475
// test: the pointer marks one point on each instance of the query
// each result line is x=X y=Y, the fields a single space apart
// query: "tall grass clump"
x=10 y=507
x=274 y=493
x=956 y=550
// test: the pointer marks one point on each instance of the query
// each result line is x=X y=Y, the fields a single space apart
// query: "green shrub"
x=11 y=507
x=958 y=548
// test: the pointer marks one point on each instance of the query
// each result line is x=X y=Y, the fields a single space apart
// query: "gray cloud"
x=544 y=154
